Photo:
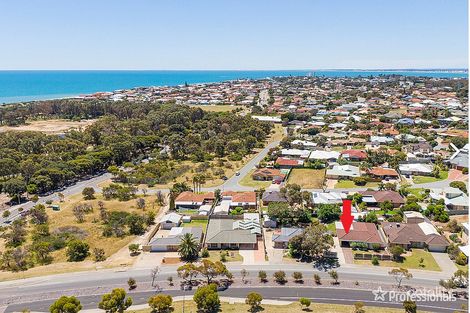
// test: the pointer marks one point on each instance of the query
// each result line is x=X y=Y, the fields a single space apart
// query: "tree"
x=305 y=303
x=409 y=306
x=161 y=303
x=460 y=185
x=210 y=269
x=188 y=248
x=17 y=234
x=131 y=282
x=88 y=193
x=66 y=305
x=187 y=272
x=254 y=299
x=396 y=252
x=115 y=301
x=99 y=254
x=15 y=187
x=77 y=250
x=244 y=273
x=317 y=279
x=298 y=277
x=334 y=275
x=312 y=244
x=153 y=274
x=460 y=278
x=263 y=277
x=140 y=202
x=328 y=213
x=42 y=252
x=38 y=214
x=399 y=274
x=133 y=248
x=207 y=299
x=359 y=307
x=280 y=277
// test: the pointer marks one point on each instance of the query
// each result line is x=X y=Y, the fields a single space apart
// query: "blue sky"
x=243 y=34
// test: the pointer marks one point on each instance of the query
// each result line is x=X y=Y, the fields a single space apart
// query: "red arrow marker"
x=346 y=218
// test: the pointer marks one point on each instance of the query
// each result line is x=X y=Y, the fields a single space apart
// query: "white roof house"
x=303 y=154
x=453 y=197
x=343 y=171
x=415 y=168
x=172 y=218
x=324 y=155
x=304 y=143
x=272 y=119
x=328 y=197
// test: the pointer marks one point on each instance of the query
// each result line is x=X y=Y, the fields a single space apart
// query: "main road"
x=90 y=285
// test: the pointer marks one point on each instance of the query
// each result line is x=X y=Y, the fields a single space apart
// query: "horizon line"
x=270 y=69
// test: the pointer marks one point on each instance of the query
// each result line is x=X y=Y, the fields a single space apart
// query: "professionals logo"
x=418 y=295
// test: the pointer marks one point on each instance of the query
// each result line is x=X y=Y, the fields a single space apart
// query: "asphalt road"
x=321 y=295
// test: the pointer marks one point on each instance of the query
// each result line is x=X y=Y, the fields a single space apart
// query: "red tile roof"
x=284 y=161
x=358 y=154
x=248 y=196
x=385 y=195
x=187 y=196
x=380 y=171
x=363 y=232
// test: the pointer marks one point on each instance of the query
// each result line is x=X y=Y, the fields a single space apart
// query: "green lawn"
x=351 y=184
x=247 y=181
x=416 y=192
x=429 y=179
x=195 y=223
x=307 y=178
x=410 y=262
x=232 y=256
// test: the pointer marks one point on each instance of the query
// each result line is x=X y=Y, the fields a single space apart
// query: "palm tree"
x=188 y=248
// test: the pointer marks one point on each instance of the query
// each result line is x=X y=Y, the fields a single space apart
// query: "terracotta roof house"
x=360 y=232
x=354 y=155
x=191 y=200
x=421 y=235
x=268 y=174
x=288 y=163
x=383 y=173
x=374 y=197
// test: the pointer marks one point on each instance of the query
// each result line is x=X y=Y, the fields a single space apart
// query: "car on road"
x=237 y=174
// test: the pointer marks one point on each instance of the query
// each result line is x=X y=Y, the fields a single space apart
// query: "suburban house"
x=225 y=233
x=272 y=196
x=459 y=160
x=413 y=217
x=421 y=149
x=231 y=200
x=383 y=173
x=421 y=235
x=359 y=232
x=170 y=220
x=191 y=200
x=304 y=144
x=268 y=174
x=376 y=197
x=415 y=169
x=172 y=241
x=354 y=155
x=295 y=153
x=281 y=238
x=330 y=156
x=343 y=172
x=286 y=163
x=454 y=199
x=328 y=197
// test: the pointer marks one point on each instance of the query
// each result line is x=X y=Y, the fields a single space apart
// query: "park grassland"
x=307 y=178
x=190 y=306
x=53 y=126
x=218 y=107
x=115 y=248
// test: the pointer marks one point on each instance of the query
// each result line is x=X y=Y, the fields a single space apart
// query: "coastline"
x=40 y=85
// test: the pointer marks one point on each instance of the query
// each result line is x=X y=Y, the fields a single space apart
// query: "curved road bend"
x=321 y=295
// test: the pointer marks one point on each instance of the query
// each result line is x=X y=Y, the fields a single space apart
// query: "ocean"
x=20 y=86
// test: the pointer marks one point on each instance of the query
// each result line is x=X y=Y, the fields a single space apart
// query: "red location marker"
x=346 y=218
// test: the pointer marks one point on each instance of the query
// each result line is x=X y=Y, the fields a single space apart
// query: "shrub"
x=263 y=277
x=297 y=277
x=305 y=302
x=280 y=277
x=317 y=279
x=375 y=260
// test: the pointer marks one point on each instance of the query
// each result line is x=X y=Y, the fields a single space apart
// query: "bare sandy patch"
x=49 y=126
